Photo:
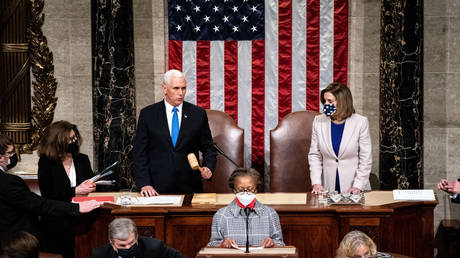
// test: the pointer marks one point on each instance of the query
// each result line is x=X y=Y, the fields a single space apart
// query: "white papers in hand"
x=413 y=195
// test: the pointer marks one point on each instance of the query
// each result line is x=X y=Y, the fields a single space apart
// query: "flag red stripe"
x=313 y=16
x=258 y=102
x=231 y=78
x=284 y=58
x=340 y=41
x=203 y=71
x=175 y=54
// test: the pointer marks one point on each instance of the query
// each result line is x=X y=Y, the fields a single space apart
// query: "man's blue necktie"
x=174 y=127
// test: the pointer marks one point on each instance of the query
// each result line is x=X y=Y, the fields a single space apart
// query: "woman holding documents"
x=340 y=153
x=229 y=226
x=63 y=173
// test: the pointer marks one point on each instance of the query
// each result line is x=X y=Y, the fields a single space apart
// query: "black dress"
x=58 y=232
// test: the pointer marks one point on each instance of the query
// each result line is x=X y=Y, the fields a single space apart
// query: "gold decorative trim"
x=15 y=127
x=14 y=47
x=44 y=85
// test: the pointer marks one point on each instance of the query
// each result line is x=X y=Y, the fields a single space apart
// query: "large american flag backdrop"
x=258 y=60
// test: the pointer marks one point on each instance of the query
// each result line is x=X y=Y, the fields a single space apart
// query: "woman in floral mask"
x=229 y=223
x=340 y=153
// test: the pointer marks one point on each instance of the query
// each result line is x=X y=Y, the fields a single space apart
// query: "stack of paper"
x=414 y=195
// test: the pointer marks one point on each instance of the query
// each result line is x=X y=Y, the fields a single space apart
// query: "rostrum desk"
x=314 y=229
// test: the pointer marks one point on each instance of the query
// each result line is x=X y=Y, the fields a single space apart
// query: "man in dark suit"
x=167 y=132
x=19 y=207
x=125 y=243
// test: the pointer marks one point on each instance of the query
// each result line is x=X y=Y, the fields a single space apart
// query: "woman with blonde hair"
x=63 y=173
x=356 y=244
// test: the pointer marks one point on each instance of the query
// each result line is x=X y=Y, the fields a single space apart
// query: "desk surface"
x=314 y=229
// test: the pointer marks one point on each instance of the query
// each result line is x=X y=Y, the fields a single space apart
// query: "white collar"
x=170 y=107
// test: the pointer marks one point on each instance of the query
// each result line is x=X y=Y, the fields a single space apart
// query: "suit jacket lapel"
x=347 y=134
x=184 y=122
x=326 y=132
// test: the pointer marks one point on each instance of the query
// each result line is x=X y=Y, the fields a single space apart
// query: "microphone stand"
x=223 y=153
x=247 y=211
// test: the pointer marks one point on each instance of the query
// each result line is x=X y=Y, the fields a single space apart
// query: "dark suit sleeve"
x=18 y=195
x=140 y=153
x=151 y=247
x=456 y=199
x=209 y=153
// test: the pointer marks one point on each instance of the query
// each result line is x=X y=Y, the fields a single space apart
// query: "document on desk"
x=251 y=248
x=414 y=195
x=159 y=200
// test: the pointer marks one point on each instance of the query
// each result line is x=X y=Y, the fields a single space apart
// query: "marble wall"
x=441 y=91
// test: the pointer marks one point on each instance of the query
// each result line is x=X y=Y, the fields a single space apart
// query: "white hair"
x=172 y=73
x=121 y=228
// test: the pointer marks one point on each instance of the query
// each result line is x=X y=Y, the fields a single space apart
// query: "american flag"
x=258 y=60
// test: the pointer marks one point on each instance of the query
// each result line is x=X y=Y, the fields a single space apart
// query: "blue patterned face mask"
x=329 y=109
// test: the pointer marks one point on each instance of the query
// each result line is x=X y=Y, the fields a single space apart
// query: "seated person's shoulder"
x=152 y=246
x=102 y=251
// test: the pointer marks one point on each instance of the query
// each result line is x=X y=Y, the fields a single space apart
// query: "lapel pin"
x=185 y=116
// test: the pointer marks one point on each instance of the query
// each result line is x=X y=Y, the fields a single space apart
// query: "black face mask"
x=72 y=148
x=13 y=161
x=128 y=253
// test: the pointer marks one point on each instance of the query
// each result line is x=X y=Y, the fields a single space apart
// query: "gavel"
x=194 y=162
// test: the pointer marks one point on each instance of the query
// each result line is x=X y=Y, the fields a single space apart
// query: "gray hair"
x=172 y=73
x=121 y=228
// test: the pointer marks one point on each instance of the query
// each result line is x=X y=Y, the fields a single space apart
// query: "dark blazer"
x=20 y=208
x=158 y=163
x=148 y=247
x=53 y=180
x=456 y=199
x=58 y=232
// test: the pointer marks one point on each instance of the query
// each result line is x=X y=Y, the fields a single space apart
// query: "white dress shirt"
x=72 y=175
x=170 y=113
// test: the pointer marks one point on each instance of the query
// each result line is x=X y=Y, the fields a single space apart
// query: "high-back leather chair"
x=230 y=139
x=289 y=147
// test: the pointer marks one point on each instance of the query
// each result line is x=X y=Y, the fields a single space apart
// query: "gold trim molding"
x=44 y=83
x=15 y=127
x=14 y=47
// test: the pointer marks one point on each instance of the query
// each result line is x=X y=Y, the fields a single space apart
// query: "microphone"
x=221 y=152
x=194 y=162
x=247 y=211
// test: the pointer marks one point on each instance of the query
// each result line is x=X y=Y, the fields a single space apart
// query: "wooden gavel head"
x=193 y=161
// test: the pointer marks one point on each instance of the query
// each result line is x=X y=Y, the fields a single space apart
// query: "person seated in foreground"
x=229 y=223
x=125 y=243
x=20 y=245
x=356 y=244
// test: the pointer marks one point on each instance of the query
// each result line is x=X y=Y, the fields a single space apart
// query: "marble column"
x=114 y=111
x=401 y=94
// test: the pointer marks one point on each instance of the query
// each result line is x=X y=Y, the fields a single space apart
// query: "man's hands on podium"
x=148 y=191
x=206 y=173
x=87 y=206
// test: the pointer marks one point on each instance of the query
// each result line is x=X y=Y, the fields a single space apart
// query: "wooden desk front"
x=314 y=229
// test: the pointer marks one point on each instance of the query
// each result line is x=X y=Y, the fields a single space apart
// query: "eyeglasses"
x=248 y=189
x=10 y=153
x=73 y=138
x=362 y=256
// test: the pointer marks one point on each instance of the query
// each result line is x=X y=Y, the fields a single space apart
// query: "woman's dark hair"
x=21 y=245
x=344 y=100
x=240 y=172
x=54 y=143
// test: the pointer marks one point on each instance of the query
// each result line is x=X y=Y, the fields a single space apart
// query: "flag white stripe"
x=217 y=75
x=299 y=46
x=189 y=69
x=271 y=77
x=326 y=61
x=245 y=95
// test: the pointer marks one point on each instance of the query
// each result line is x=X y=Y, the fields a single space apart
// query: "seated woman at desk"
x=63 y=172
x=229 y=223
x=357 y=244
